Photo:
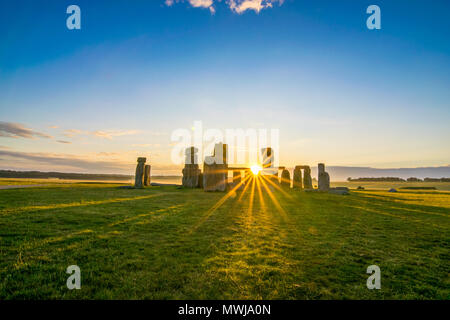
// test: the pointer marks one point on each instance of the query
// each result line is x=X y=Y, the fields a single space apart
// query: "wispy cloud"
x=109 y=134
x=237 y=6
x=106 y=134
x=145 y=145
x=72 y=133
x=26 y=160
x=63 y=141
x=17 y=130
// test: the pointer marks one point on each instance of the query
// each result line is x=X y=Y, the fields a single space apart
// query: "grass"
x=169 y=243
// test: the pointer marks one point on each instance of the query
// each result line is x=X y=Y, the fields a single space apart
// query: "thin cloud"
x=63 y=141
x=106 y=134
x=27 y=159
x=144 y=145
x=110 y=134
x=237 y=6
x=17 y=130
x=72 y=133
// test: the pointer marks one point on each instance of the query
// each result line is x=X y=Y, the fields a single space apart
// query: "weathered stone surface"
x=267 y=157
x=191 y=155
x=139 y=176
x=285 y=179
x=297 y=178
x=307 y=180
x=191 y=171
x=214 y=177
x=200 y=181
x=191 y=174
x=215 y=169
x=269 y=173
x=323 y=178
x=147 y=178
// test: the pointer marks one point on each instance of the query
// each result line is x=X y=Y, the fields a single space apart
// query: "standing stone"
x=221 y=153
x=324 y=178
x=297 y=179
x=139 y=176
x=191 y=171
x=215 y=169
x=147 y=170
x=200 y=181
x=307 y=180
x=285 y=179
x=268 y=171
x=267 y=157
x=214 y=177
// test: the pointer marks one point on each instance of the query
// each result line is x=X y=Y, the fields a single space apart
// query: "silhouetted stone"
x=307 y=180
x=323 y=178
x=221 y=152
x=215 y=169
x=267 y=158
x=268 y=171
x=200 y=181
x=297 y=178
x=214 y=177
x=139 y=176
x=191 y=170
x=147 y=170
x=285 y=179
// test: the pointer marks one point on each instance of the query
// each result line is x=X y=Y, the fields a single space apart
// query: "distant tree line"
x=397 y=179
x=436 y=180
x=61 y=175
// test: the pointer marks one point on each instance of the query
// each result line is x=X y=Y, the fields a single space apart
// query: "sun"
x=255 y=169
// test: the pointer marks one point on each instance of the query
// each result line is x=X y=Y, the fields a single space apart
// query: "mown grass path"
x=167 y=243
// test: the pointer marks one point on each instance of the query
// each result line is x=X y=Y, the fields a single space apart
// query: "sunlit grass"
x=256 y=241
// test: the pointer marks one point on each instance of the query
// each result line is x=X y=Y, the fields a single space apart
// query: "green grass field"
x=169 y=243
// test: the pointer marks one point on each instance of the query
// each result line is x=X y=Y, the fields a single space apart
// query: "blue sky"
x=117 y=88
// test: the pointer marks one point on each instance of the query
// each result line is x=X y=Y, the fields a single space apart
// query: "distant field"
x=445 y=186
x=397 y=185
x=29 y=181
x=169 y=243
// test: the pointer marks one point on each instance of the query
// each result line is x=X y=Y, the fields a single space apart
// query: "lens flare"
x=255 y=169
